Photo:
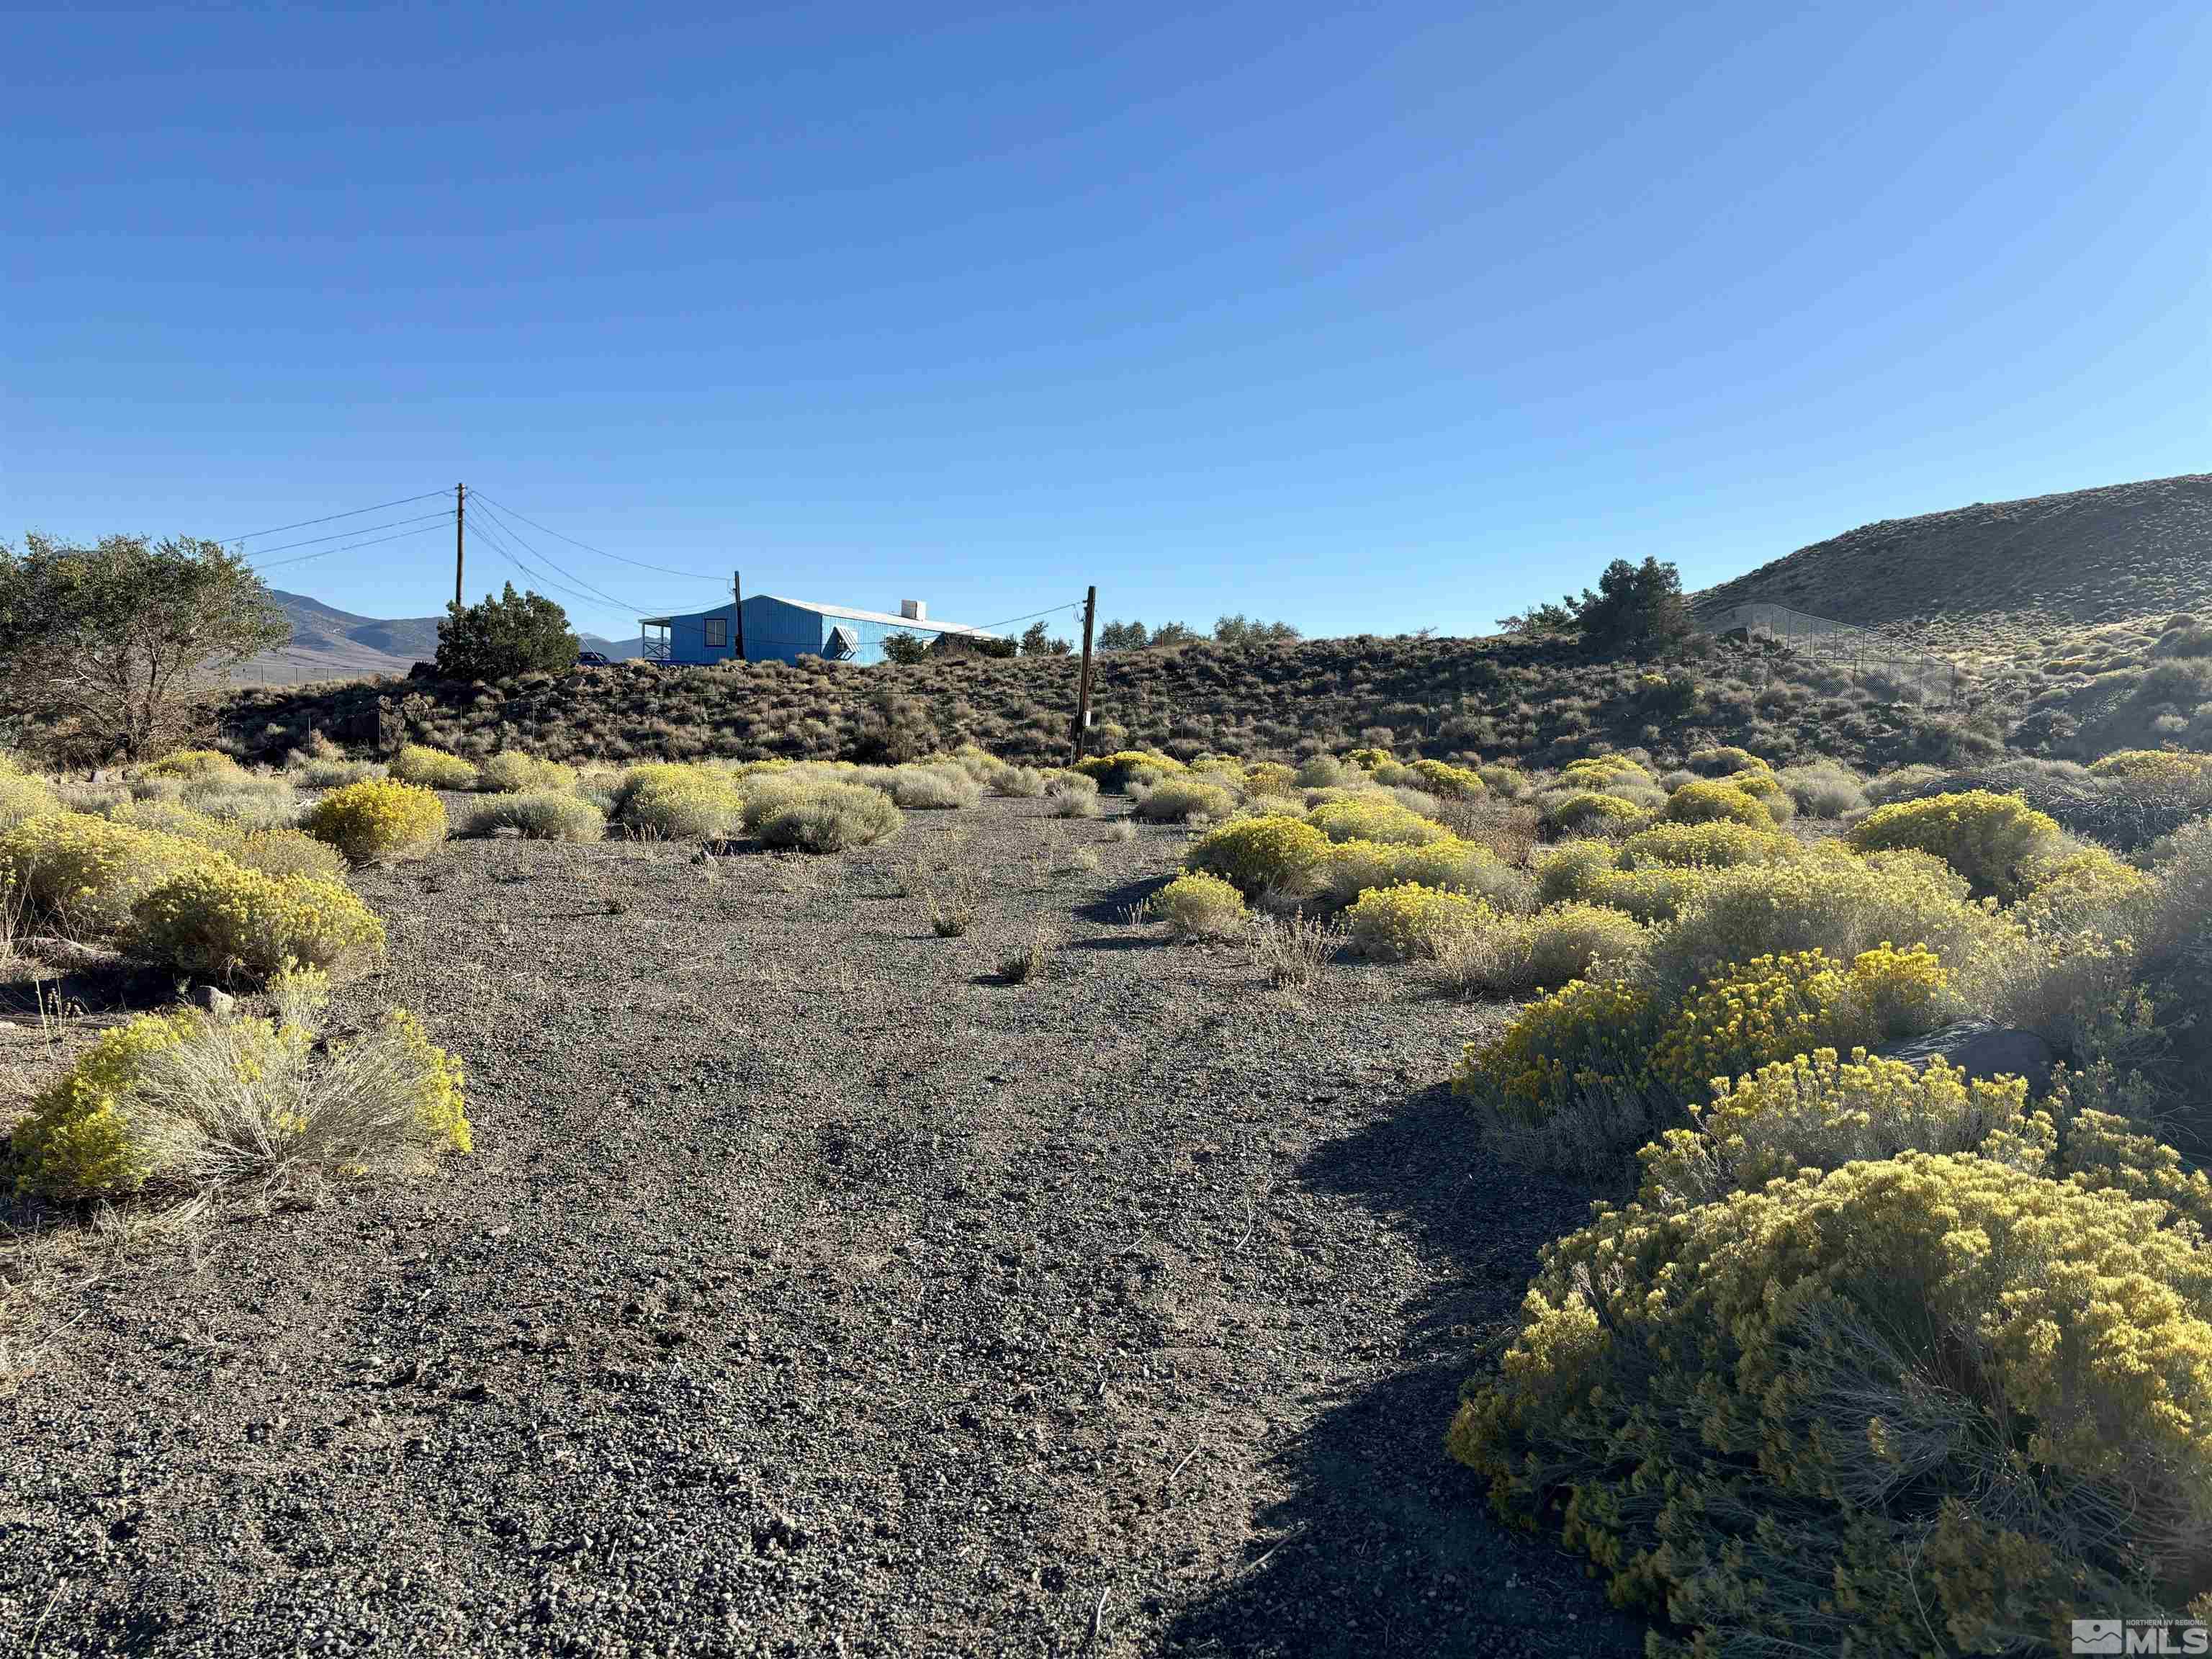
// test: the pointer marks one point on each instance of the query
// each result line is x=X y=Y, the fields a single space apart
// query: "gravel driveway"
x=812 y=1290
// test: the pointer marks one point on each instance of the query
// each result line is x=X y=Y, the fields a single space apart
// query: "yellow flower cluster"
x=1990 y=839
x=1261 y=855
x=1406 y=920
x=1452 y=782
x=1585 y=811
x=1598 y=771
x=226 y=923
x=513 y=773
x=1718 y=844
x=1587 y=1034
x=2153 y=766
x=1448 y=862
x=191 y=764
x=73 y=1143
x=1195 y=905
x=1370 y=814
x=1706 y=800
x=82 y=875
x=1748 y=1355
x=377 y=819
x=1114 y=771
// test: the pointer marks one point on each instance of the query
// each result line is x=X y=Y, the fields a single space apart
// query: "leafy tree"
x=903 y=649
x=1239 y=629
x=1036 y=642
x=1541 y=618
x=497 y=639
x=115 y=650
x=975 y=645
x=1173 y=634
x=1123 y=636
x=1637 y=608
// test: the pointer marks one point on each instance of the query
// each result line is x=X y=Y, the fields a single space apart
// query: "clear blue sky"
x=1371 y=318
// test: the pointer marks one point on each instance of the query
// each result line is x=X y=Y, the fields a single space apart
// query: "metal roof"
x=927 y=624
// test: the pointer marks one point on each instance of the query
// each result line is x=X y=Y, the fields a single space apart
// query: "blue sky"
x=1369 y=319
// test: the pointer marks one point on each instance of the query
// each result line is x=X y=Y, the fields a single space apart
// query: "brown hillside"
x=1998 y=576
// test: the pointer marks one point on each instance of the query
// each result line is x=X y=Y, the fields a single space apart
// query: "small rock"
x=1980 y=1048
x=216 y=1001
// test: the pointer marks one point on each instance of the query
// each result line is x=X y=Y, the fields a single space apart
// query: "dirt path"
x=813 y=1291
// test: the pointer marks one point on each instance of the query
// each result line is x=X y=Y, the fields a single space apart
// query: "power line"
x=499 y=519
x=618 y=558
x=1076 y=604
x=355 y=514
x=358 y=529
x=499 y=546
x=274 y=564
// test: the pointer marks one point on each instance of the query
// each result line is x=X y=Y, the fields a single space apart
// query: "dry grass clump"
x=539 y=816
x=511 y=772
x=1178 y=800
x=377 y=819
x=1031 y=960
x=1018 y=782
x=1291 y=951
x=188 y=1101
x=330 y=771
x=1823 y=788
x=432 y=768
x=1072 y=795
x=1196 y=906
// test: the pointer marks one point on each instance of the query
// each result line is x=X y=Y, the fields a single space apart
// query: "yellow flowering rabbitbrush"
x=1261 y=856
x=1991 y=840
x=377 y=817
x=224 y=922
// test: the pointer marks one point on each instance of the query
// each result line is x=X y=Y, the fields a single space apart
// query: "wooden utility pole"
x=460 y=519
x=738 y=611
x=1083 y=685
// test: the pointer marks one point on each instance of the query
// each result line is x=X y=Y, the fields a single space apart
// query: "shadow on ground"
x=1387 y=1547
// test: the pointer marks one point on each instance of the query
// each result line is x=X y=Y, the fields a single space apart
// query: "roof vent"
x=913 y=610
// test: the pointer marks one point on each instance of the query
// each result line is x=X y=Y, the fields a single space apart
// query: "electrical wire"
x=1076 y=604
x=489 y=530
x=521 y=541
x=328 y=517
x=379 y=541
x=618 y=558
x=358 y=529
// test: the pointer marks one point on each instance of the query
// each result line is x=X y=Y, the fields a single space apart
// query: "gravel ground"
x=814 y=1290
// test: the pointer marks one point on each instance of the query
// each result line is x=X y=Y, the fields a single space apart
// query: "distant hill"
x=328 y=643
x=1999 y=576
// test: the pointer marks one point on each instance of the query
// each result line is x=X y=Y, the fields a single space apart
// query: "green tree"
x=1637 y=608
x=1038 y=643
x=903 y=649
x=497 y=639
x=1240 y=629
x=1123 y=636
x=117 y=649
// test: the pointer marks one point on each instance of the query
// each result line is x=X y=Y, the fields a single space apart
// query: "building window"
x=718 y=632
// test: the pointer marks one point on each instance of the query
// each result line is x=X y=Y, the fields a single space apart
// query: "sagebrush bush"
x=1019 y=782
x=1372 y=815
x=190 y=763
x=511 y=772
x=925 y=788
x=1199 y=905
x=432 y=768
x=1934 y=1402
x=663 y=801
x=1990 y=839
x=25 y=797
x=186 y=1101
x=1407 y=921
x=1823 y=789
x=1072 y=795
x=226 y=923
x=80 y=876
x=1505 y=955
x=553 y=815
x=1709 y=801
x=1719 y=844
x=828 y=819
x=1264 y=858
x=1176 y=800
x=377 y=819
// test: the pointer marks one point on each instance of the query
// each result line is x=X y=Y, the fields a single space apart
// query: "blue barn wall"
x=779 y=631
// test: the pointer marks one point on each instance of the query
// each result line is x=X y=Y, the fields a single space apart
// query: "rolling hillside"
x=2003 y=576
x=328 y=643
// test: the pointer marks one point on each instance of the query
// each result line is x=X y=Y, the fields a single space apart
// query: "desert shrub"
x=1716 y=844
x=1773 y=1007
x=2076 y=887
x=1708 y=801
x=1823 y=789
x=287 y=853
x=80 y=876
x=1449 y=864
x=670 y=802
x=1818 y=1111
x=827 y=818
x=1904 y=782
x=1572 y=869
x=1174 y=801
x=1514 y=955
x=1291 y=950
x=1373 y=816
x=1406 y=922
x=248 y=800
x=1270 y=778
x=921 y=787
x=1943 y=1403
x=1723 y=761
x=1115 y=772
x=224 y=922
x=1019 y=782
x=2152 y=765
x=25 y=797
x=377 y=819
x=1199 y=905
x=1439 y=778
x=319 y=772
x=511 y=772
x=1585 y=812
x=1263 y=859
x=552 y=815
x=432 y=768
x=190 y=764
x=1369 y=759
x=1831 y=900
x=1599 y=772
x=1324 y=772
x=1990 y=839
x=1588 y=1034
x=193 y=1101
x=1072 y=795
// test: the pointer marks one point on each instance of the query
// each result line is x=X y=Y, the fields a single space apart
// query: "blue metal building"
x=784 y=630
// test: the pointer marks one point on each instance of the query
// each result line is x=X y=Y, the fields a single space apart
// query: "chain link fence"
x=1872 y=659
